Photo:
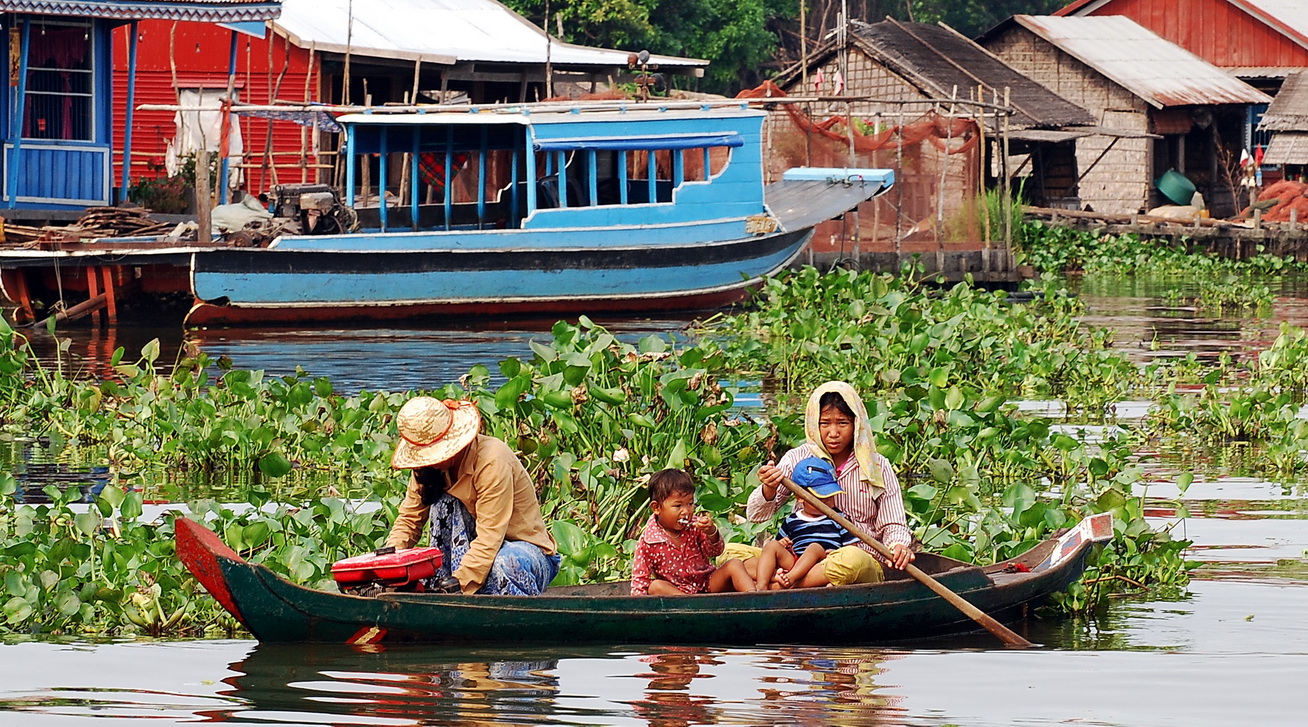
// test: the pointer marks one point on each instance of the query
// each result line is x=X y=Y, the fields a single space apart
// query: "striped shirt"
x=882 y=516
x=805 y=530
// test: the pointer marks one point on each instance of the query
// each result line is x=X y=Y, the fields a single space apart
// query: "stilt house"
x=924 y=101
x=61 y=109
x=1130 y=78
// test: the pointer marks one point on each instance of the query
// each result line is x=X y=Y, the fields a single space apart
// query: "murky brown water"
x=1231 y=652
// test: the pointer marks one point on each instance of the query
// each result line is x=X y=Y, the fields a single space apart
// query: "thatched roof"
x=939 y=62
x=1289 y=110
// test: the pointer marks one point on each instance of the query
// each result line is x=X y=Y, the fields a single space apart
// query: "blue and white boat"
x=529 y=209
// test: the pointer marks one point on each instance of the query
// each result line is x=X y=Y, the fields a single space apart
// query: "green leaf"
x=677 y=458
x=512 y=390
x=150 y=351
x=652 y=344
x=1184 y=481
x=112 y=495
x=87 y=522
x=17 y=610
x=939 y=377
x=131 y=507
x=954 y=399
x=274 y=464
x=941 y=470
x=570 y=538
x=1019 y=496
x=256 y=533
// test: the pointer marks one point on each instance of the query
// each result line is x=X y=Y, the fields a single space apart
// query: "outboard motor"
x=316 y=208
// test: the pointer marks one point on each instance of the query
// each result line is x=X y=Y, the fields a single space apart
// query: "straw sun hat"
x=432 y=431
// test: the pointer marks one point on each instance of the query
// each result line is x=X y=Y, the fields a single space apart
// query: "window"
x=59 y=81
x=587 y=172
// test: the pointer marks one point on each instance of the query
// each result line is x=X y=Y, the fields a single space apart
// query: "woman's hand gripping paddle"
x=972 y=612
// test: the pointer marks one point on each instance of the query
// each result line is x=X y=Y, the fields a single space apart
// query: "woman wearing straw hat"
x=477 y=496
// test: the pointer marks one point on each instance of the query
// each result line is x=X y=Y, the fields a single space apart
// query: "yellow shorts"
x=851 y=564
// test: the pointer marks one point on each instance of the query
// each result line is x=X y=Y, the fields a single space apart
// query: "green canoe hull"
x=276 y=610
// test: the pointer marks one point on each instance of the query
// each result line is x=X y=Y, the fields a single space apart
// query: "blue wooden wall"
x=55 y=173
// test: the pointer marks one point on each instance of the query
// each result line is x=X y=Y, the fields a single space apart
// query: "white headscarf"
x=864 y=449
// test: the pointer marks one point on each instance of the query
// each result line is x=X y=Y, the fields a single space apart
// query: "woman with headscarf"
x=836 y=429
x=477 y=497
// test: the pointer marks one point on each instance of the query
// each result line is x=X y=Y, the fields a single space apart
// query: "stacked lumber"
x=121 y=222
x=95 y=223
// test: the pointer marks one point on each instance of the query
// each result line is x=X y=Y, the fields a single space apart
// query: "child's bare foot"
x=781 y=579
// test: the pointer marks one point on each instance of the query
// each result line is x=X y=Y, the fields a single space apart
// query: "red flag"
x=817 y=83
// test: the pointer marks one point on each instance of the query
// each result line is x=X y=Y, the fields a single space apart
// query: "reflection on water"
x=391 y=359
x=1204 y=662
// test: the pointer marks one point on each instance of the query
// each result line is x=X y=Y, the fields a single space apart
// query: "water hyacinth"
x=592 y=417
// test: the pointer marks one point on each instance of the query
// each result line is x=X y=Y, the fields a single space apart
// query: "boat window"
x=587 y=172
x=60 y=70
x=702 y=164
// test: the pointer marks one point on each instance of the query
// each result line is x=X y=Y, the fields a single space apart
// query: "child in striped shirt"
x=794 y=558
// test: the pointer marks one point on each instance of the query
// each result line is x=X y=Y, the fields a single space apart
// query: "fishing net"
x=935 y=157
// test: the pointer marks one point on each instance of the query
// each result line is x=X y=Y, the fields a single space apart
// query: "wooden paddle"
x=972 y=612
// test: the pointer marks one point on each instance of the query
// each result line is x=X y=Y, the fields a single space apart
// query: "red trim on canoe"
x=367 y=635
x=200 y=549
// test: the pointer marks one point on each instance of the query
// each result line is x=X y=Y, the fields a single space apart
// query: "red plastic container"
x=396 y=568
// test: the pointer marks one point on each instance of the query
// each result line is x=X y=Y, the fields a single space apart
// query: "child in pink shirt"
x=676 y=550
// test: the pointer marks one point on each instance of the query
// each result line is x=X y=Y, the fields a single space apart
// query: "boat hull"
x=281 y=286
x=275 y=610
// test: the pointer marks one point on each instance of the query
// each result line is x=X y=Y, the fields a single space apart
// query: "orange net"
x=951 y=136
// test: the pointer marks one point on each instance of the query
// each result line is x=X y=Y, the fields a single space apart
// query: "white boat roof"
x=439 y=31
x=529 y=114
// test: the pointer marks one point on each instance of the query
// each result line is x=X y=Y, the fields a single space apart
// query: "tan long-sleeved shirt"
x=499 y=494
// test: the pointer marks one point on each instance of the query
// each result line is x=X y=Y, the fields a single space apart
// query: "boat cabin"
x=496 y=168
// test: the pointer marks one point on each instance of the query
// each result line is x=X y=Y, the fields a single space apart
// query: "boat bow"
x=807 y=196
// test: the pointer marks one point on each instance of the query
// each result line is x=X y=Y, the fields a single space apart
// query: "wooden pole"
x=203 y=208
x=1008 y=194
x=899 y=186
x=940 y=196
x=985 y=169
x=957 y=601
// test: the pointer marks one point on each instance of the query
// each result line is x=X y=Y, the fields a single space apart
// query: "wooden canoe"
x=276 y=610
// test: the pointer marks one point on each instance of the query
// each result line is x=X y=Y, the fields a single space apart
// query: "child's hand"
x=787 y=543
x=705 y=525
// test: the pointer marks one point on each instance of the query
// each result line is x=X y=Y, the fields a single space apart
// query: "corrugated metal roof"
x=439 y=31
x=211 y=11
x=1289 y=110
x=1243 y=72
x=1158 y=71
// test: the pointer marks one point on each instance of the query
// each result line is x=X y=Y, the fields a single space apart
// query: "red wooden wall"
x=201 y=53
x=1216 y=30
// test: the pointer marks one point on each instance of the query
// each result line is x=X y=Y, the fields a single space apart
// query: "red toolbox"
x=387 y=566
